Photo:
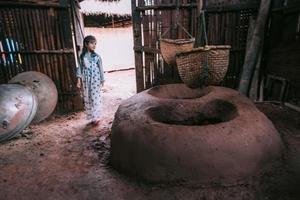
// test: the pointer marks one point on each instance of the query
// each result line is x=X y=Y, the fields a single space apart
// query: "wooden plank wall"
x=226 y=25
x=283 y=47
x=107 y=21
x=43 y=42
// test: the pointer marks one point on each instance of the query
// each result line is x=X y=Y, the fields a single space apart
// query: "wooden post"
x=252 y=55
x=112 y=21
x=137 y=40
x=73 y=31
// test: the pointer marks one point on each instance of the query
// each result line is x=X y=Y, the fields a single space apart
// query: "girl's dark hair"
x=86 y=41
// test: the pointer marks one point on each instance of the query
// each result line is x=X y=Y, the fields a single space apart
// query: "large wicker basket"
x=203 y=66
x=169 y=48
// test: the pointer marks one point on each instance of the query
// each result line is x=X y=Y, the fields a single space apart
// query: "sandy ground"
x=63 y=158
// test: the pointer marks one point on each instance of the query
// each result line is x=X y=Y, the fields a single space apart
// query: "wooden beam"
x=287 y=9
x=30 y=4
x=166 y=7
x=230 y=8
x=63 y=51
x=146 y=49
x=152 y=50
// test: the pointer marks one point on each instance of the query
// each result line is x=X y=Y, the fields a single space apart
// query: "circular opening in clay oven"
x=177 y=91
x=214 y=112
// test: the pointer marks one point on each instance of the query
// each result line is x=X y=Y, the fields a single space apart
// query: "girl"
x=90 y=78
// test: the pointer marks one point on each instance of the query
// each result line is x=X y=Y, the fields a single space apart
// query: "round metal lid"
x=18 y=106
x=45 y=90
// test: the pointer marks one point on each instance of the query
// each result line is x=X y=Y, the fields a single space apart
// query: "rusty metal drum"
x=44 y=89
x=18 y=106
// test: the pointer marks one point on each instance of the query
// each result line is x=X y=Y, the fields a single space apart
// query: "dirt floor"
x=63 y=158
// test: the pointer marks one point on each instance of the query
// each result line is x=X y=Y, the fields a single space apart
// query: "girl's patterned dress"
x=92 y=76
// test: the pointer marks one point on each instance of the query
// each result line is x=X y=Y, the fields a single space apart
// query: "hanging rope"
x=179 y=25
x=204 y=75
x=203 y=25
x=176 y=25
x=169 y=47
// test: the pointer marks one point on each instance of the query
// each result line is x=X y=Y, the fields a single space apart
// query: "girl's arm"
x=102 y=79
x=79 y=75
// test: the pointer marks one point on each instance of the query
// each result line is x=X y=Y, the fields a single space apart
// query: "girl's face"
x=91 y=46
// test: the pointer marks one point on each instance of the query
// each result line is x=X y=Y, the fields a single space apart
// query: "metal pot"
x=45 y=90
x=18 y=106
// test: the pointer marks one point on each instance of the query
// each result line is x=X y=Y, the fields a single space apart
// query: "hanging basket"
x=169 y=47
x=203 y=66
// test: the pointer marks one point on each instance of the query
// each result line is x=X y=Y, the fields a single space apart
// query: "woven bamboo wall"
x=227 y=24
x=230 y=27
x=38 y=38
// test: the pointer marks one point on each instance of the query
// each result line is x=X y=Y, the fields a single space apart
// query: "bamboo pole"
x=252 y=55
x=47 y=42
x=21 y=40
x=155 y=45
x=12 y=39
x=253 y=92
x=17 y=39
x=8 y=36
x=51 y=46
x=26 y=34
x=3 y=67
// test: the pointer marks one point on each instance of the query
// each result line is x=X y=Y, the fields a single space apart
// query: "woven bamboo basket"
x=203 y=66
x=169 y=48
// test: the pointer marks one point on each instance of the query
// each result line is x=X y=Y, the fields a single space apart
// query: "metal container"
x=18 y=106
x=44 y=89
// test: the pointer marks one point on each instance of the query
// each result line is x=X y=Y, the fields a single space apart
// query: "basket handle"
x=179 y=25
x=185 y=30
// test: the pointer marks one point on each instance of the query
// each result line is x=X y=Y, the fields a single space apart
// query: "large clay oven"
x=210 y=135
